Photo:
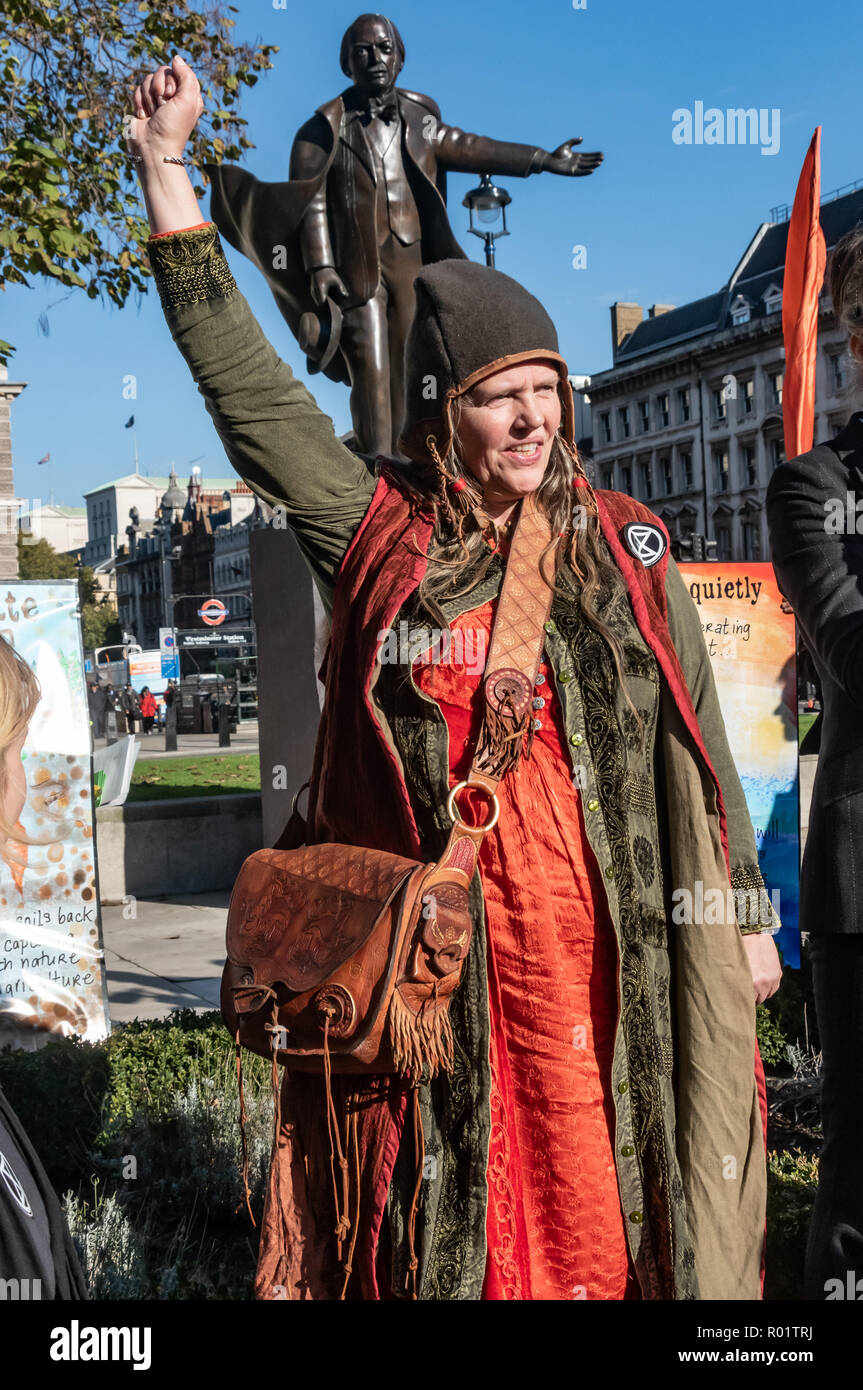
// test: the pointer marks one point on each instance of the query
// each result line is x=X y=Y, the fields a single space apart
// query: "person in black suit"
x=363 y=211
x=815 y=519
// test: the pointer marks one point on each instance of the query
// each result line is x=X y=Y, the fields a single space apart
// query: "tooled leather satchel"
x=343 y=958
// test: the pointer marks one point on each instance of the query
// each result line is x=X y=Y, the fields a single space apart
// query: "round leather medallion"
x=510 y=686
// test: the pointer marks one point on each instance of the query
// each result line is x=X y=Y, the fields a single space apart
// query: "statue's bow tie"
x=386 y=110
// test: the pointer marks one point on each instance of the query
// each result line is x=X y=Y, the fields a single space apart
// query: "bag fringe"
x=419 y=1040
x=500 y=742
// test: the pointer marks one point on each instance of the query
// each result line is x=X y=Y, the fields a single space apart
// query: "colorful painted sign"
x=52 y=977
x=752 y=649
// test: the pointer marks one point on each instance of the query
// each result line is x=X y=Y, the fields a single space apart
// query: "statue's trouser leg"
x=365 y=348
x=400 y=265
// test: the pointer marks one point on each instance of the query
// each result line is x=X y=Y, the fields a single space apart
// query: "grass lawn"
x=218 y=775
x=804 y=724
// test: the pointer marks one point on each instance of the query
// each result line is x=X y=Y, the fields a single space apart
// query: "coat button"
x=564 y=676
x=637 y=1217
x=576 y=740
x=540 y=680
x=609 y=871
x=538 y=702
x=549 y=625
x=537 y=723
x=623 y=1087
x=593 y=805
x=627 y=1150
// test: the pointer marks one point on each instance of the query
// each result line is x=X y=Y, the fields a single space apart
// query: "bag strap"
x=509 y=681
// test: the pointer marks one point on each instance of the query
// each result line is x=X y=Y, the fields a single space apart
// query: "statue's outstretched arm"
x=465 y=153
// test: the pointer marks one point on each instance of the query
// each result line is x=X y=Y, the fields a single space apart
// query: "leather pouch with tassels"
x=349 y=951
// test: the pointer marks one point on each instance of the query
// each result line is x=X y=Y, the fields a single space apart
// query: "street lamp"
x=490 y=204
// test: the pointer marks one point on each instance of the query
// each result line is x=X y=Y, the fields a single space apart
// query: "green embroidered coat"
x=688 y=1149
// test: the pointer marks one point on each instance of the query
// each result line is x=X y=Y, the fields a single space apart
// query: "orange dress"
x=555 y=1227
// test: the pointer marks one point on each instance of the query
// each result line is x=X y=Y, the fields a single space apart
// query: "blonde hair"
x=19 y=696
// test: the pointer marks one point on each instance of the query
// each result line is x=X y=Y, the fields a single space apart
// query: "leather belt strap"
x=508 y=682
x=515 y=650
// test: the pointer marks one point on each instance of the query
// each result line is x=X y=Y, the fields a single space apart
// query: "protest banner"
x=52 y=977
x=751 y=644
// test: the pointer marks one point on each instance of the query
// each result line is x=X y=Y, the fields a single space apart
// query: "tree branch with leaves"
x=69 y=200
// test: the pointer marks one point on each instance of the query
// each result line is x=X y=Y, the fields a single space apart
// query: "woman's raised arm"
x=271 y=428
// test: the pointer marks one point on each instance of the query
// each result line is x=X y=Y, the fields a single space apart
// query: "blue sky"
x=661 y=222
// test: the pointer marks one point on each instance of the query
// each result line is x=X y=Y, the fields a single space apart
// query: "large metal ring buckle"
x=456 y=815
x=297 y=794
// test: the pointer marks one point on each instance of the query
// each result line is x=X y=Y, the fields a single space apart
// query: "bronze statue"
x=365 y=208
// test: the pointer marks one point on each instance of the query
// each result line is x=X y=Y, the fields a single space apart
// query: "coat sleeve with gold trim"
x=272 y=430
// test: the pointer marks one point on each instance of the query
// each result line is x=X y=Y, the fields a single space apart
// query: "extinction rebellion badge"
x=647 y=543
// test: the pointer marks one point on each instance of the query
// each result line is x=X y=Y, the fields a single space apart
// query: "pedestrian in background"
x=131 y=707
x=148 y=710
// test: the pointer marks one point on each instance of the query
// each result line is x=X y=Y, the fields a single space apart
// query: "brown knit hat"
x=470 y=321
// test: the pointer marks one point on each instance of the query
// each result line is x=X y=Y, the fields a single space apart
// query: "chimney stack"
x=656 y=309
x=624 y=319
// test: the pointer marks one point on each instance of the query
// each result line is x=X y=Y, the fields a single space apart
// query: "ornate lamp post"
x=489 y=203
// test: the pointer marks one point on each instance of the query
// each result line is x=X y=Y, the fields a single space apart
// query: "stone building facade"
x=689 y=417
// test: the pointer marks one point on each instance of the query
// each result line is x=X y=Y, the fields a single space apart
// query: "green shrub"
x=792 y=1178
x=74 y=1098
x=141 y=1132
x=772 y=1042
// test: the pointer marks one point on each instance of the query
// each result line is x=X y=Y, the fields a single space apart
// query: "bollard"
x=224 y=725
x=171 y=728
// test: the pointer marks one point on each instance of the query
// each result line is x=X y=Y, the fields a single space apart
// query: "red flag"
x=805 y=259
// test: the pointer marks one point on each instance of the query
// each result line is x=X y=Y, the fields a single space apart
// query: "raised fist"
x=167 y=106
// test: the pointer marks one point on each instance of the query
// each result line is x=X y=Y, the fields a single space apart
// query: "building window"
x=684 y=404
x=605 y=427
x=623 y=417
x=667 y=477
x=723 y=542
x=772 y=300
x=751 y=540
x=746 y=390
x=740 y=314
x=626 y=473
x=686 y=468
x=662 y=409
x=777 y=452
x=608 y=479
x=719 y=404
x=777 y=380
x=837 y=375
x=720 y=470
x=643 y=417
x=750 y=465
x=647 y=481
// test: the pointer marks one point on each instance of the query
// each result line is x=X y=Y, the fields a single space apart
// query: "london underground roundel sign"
x=213 y=612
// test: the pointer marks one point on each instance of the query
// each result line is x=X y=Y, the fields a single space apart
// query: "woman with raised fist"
x=599 y=1135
